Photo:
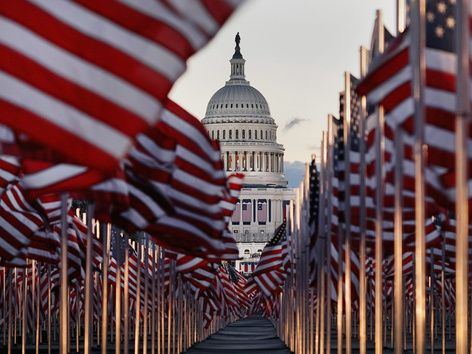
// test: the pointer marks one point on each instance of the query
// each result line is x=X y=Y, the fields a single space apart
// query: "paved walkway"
x=253 y=335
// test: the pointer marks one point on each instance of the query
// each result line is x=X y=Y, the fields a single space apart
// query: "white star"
x=450 y=22
x=439 y=31
x=430 y=16
x=442 y=7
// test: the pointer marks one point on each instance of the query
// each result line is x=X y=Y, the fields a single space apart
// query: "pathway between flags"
x=246 y=336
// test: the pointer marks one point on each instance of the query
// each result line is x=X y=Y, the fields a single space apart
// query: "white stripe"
x=161 y=13
x=194 y=11
x=102 y=29
x=51 y=175
x=64 y=116
x=78 y=71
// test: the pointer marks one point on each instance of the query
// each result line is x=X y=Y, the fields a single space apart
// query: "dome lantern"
x=237 y=62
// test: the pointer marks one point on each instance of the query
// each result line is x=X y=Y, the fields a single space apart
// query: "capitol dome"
x=238 y=116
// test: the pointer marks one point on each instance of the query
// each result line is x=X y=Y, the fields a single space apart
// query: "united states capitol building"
x=238 y=116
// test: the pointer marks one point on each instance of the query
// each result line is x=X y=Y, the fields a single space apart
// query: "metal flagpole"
x=398 y=244
x=146 y=292
x=419 y=64
x=126 y=298
x=24 y=308
x=64 y=301
x=322 y=243
x=38 y=296
x=118 y=260
x=49 y=310
x=153 y=299
x=400 y=16
x=443 y=293
x=362 y=247
x=347 y=208
x=328 y=237
x=462 y=210
x=137 y=303
x=88 y=282
x=106 y=254
x=379 y=142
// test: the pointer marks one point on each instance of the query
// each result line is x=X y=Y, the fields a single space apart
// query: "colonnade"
x=255 y=161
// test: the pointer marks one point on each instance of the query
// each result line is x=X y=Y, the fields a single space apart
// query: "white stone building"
x=239 y=117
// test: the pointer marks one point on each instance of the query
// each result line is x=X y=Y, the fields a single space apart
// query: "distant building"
x=239 y=117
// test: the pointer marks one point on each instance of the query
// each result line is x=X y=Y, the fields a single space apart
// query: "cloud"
x=293 y=122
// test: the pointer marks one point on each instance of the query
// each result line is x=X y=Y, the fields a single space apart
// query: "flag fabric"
x=246 y=211
x=268 y=275
x=262 y=211
x=65 y=44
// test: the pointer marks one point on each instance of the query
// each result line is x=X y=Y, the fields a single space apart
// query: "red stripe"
x=142 y=24
x=47 y=133
x=87 y=48
x=67 y=91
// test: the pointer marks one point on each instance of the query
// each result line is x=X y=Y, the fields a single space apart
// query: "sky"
x=296 y=54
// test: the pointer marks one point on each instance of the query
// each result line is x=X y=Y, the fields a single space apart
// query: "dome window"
x=250 y=131
x=237 y=134
x=231 y=134
x=266 y=135
x=252 y=105
x=236 y=105
x=262 y=136
x=213 y=134
x=218 y=134
x=226 y=105
x=247 y=105
x=244 y=134
x=224 y=134
x=255 y=134
x=231 y=105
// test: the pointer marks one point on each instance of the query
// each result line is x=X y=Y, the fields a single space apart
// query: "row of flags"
x=385 y=190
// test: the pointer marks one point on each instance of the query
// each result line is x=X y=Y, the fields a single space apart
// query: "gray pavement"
x=252 y=335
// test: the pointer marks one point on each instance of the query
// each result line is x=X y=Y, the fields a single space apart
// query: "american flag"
x=268 y=275
x=337 y=178
x=48 y=60
x=262 y=211
x=246 y=211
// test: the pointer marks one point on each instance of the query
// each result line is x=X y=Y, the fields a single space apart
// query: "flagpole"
x=400 y=23
x=462 y=209
x=146 y=292
x=398 y=244
x=88 y=281
x=106 y=253
x=362 y=187
x=347 y=210
x=49 y=310
x=126 y=298
x=64 y=303
x=379 y=207
x=419 y=64
x=24 y=309
x=328 y=238
x=137 y=302
x=322 y=244
x=153 y=297
x=118 y=297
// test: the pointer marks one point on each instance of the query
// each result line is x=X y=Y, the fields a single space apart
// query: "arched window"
x=262 y=136
x=231 y=134
x=213 y=134
x=259 y=251
x=244 y=134
x=237 y=134
x=247 y=252
x=226 y=106
x=224 y=134
x=218 y=134
x=266 y=135
x=236 y=105
x=250 y=133
x=255 y=134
